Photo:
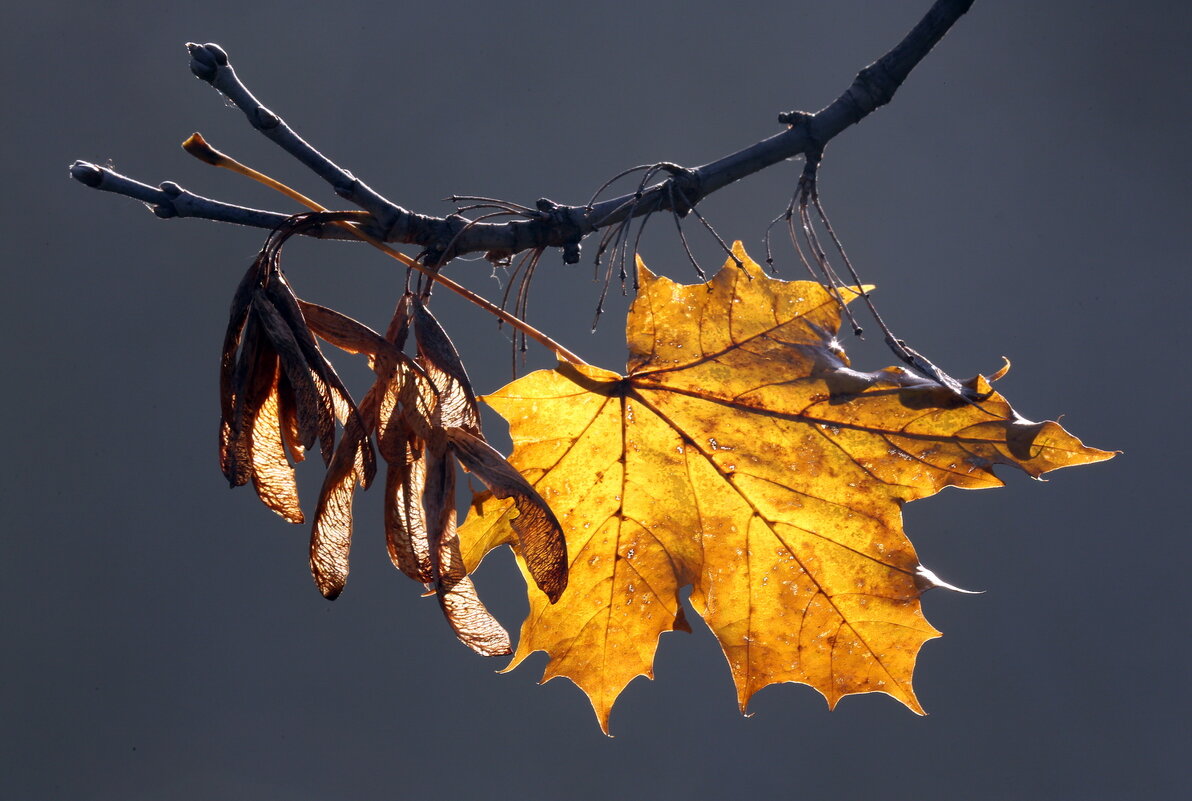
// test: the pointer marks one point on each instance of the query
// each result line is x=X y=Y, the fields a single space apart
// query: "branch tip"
x=86 y=173
x=205 y=60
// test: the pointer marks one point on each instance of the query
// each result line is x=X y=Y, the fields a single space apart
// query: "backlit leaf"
x=743 y=456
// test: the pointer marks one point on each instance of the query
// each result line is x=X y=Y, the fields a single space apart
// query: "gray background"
x=1026 y=194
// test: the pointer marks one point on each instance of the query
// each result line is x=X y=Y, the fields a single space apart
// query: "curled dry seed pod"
x=471 y=621
x=251 y=439
x=314 y=413
x=277 y=391
x=393 y=370
x=405 y=402
x=354 y=461
x=539 y=535
x=236 y=427
x=331 y=535
x=438 y=357
x=405 y=518
x=273 y=477
x=331 y=389
x=398 y=329
x=228 y=367
x=287 y=412
x=280 y=395
x=345 y=333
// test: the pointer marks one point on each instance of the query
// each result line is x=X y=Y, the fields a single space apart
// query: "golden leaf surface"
x=742 y=455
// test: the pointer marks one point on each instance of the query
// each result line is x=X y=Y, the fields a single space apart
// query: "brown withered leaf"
x=743 y=456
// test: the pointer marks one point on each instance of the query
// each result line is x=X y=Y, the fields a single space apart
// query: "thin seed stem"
x=493 y=202
x=833 y=280
x=724 y=245
x=613 y=180
x=683 y=237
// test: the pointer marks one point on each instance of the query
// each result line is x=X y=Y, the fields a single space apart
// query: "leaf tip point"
x=926 y=580
x=644 y=273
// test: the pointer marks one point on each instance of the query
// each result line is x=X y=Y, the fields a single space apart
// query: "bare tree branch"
x=170 y=200
x=551 y=225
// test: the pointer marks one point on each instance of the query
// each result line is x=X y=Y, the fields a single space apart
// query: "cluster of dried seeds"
x=279 y=395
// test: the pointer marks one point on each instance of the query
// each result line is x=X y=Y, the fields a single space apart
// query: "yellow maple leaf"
x=742 y=455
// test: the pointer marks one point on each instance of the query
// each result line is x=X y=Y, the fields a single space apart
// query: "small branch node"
x=793 y=118
x=571 y=252
x=266 y=119
x=878 y=84
x=686 y=183
x=346 y=187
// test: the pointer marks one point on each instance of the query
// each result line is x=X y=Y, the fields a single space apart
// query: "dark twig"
x=210 y=63
x=873 y=87
x=170 y=200
x=786 y=215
